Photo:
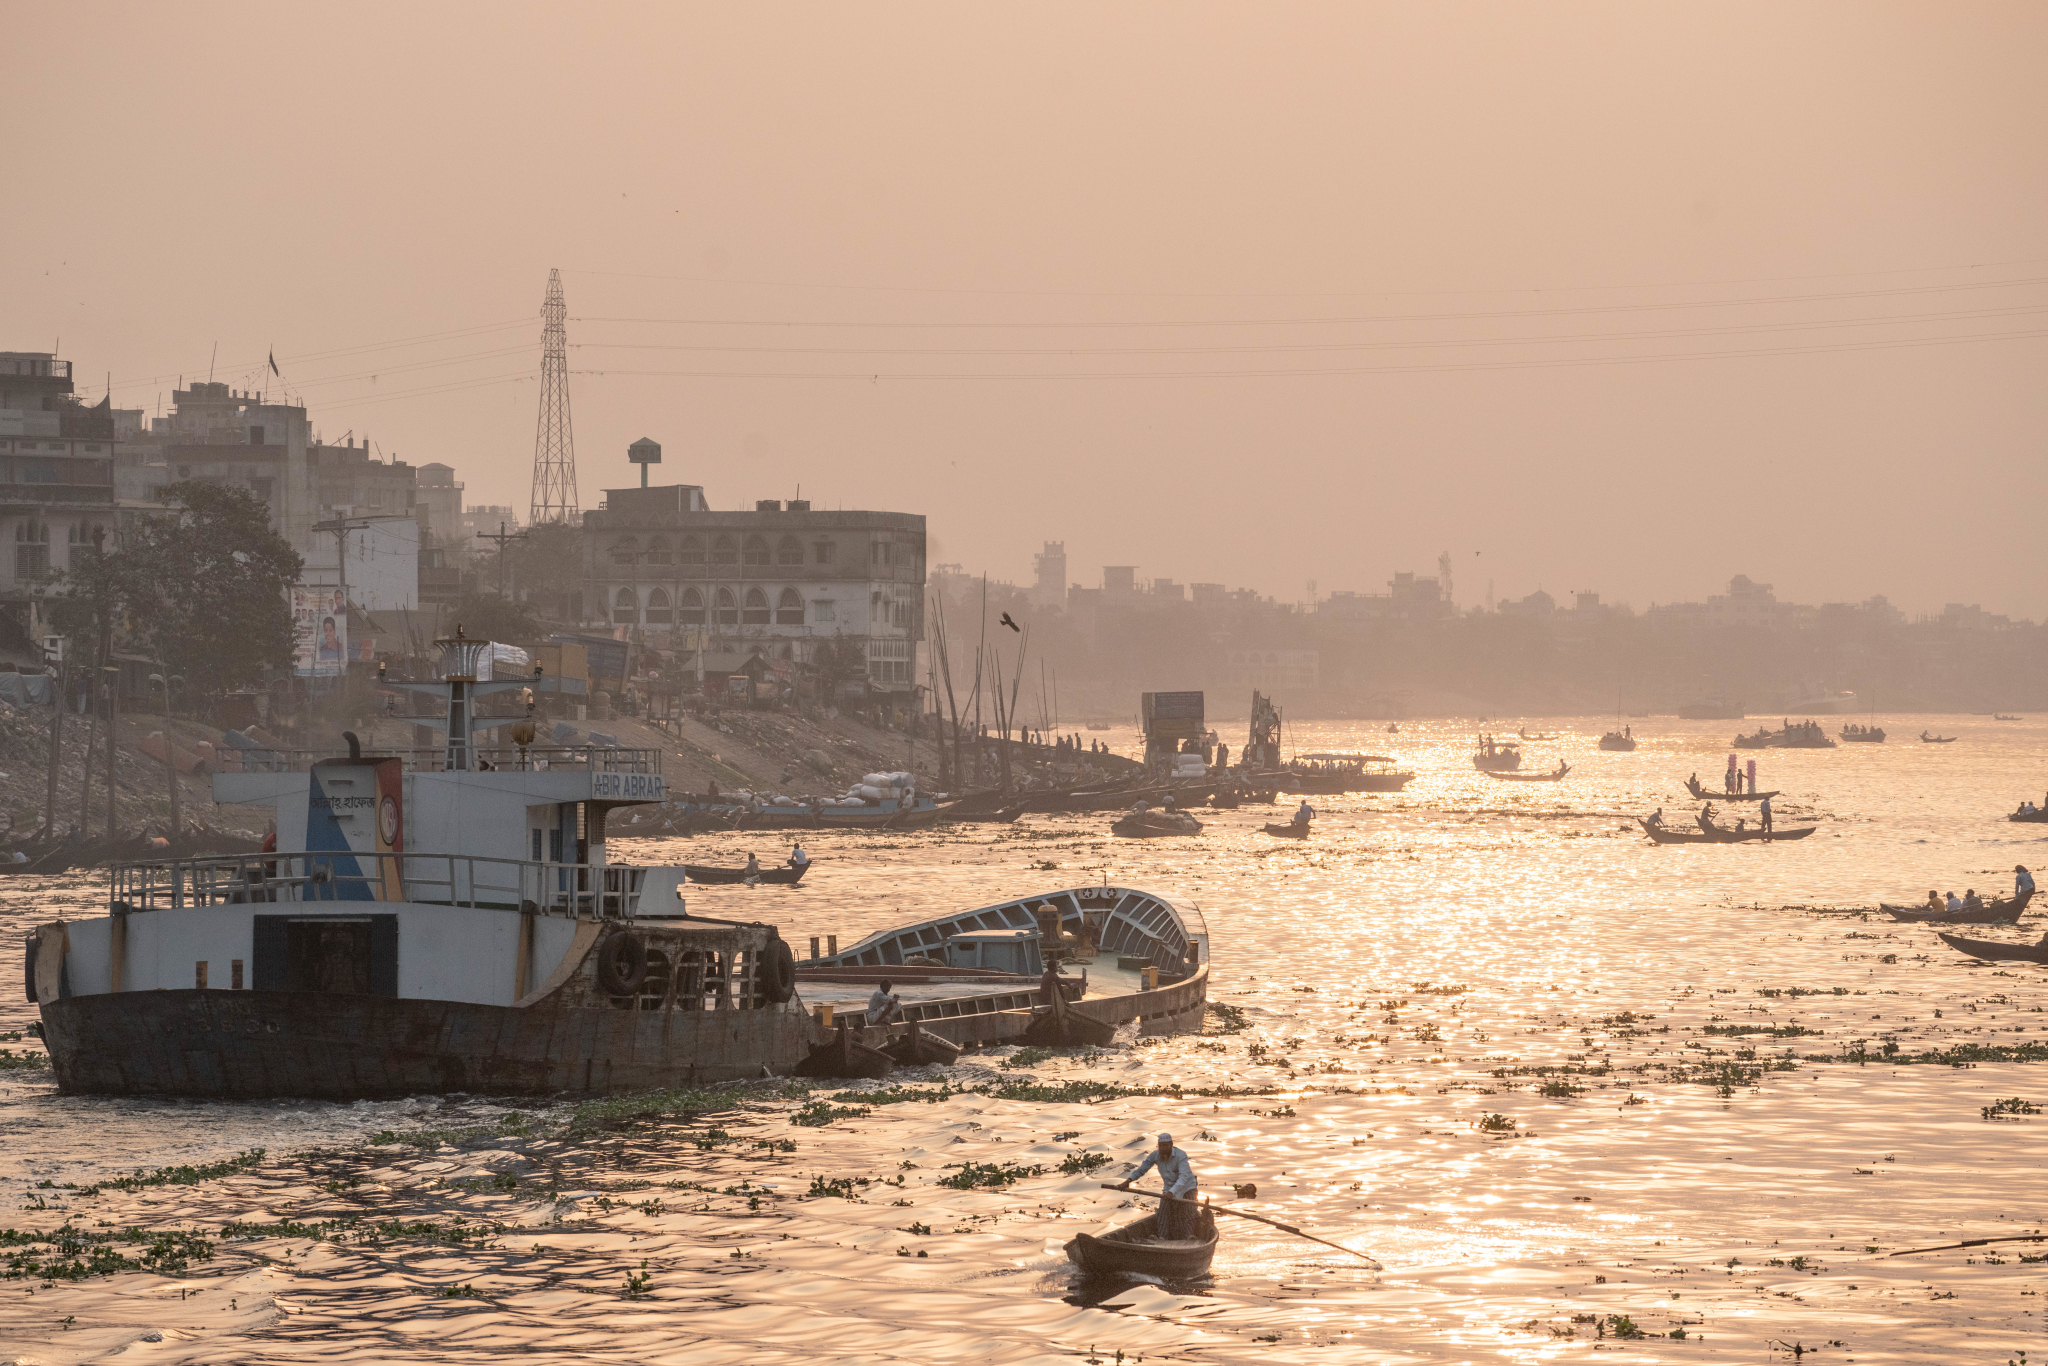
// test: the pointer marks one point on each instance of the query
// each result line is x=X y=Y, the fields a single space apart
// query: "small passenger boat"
x=1618 y=741
x=1293 y=830
x=1493 y=756
x=1999 y=950
x=1927 y=739
x=787 y=876
x=2037 y=815
x=2006 y=912
x=1862 y=735
x=1136 y=1249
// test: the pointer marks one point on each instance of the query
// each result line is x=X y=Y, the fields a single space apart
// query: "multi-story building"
x=224 y=437
x=1049 y=587
x=56 y=484
x=778 y=582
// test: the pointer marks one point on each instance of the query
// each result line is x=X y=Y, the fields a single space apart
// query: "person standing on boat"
x=1049 y=983
x=1177 y=1212
x=1706 y=819
x=1764 y=810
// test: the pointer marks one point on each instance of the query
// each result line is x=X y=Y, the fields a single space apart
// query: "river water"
x=1559 y=1085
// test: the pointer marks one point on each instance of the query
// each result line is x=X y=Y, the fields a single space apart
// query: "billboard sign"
x=320 y=616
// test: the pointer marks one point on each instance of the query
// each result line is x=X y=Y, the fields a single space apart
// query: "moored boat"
x=1334 y=773
x=1618 y=741
x=1150 y=824
x=1136 y=1249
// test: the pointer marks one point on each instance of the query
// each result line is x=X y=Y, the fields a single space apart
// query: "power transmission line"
x=554 y=438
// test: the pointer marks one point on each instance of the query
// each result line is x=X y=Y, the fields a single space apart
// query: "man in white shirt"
x=1955 y=904
x=1304 y=813
x=2022 y=881
x=1177 y=1214
x=883 y=1007
x=798 y=858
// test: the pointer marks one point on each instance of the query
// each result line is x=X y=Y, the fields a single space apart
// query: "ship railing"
x=602 y=891
x=432 y=759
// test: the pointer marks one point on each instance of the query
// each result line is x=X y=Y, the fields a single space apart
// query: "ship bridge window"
x=728 y=608
x=691 y=613
x=658 y=611
x=756 y=612
x=691 y=550
x=789 y=608
x=757 y=551
x=625 y=608
x=789 y=550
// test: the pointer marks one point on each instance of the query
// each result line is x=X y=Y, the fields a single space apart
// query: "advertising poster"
x=321 y=616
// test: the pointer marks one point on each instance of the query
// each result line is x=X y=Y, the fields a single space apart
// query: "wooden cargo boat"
x=1293 y=830
x=2006 y=912
x=1136 y=1249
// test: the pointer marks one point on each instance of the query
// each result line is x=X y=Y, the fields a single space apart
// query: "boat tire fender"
x=778 y=972
x=621 y=964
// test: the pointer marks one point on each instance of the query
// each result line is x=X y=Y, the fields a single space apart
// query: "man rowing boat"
x=1177 y=1212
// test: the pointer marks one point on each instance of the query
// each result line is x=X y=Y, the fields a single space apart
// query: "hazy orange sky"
x=1623 y=297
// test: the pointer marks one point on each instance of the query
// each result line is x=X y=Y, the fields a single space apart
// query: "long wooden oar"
x=1257 y=1218
x=1974 y=1242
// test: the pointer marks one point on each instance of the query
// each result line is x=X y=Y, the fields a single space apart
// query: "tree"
x=486 y=616
x=838 y=660
x=205 y=590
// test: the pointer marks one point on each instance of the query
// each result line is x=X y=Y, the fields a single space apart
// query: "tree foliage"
x=836 y=660
x=203 y=591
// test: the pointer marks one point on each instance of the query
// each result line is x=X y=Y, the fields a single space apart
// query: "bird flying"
x=1011 y=624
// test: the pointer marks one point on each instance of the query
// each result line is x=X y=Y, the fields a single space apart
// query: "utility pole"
x=57 y=680
x=341 y=527
x=501 y=538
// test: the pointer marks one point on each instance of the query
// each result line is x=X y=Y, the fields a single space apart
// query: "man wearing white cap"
x=1177 y=1211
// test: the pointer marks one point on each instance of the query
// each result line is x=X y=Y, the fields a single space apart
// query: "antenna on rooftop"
x=554 y=438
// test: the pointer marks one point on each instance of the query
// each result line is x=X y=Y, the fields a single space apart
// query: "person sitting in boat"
x=2022 y=881
x=798 y=858
x=883 y=1007
x=1955 y=904
x=1706 y=819
x=1656 y=821
x=1935 y=905
x=1049 y=983
x=1304 y=813
x=753 y=869
x=1177 y=1214
x=1972 y=903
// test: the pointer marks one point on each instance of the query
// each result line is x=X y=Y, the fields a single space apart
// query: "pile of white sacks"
x=878 y=787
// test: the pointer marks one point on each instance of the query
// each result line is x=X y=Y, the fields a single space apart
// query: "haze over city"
x=1593 y=296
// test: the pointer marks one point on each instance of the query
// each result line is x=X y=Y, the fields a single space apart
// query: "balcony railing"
x=570 y=890
x=504 y=758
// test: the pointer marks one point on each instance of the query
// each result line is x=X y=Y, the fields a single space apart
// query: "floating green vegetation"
x=1960 y=1055
x=28 y=1060
x=1494 y=1124
x=1229 y=1019
x=1804 y=991
x=2010 y=1108
x=183 y=1175
x=1026 y=1057
x=990 y=1176
x=839 y=1187
x=1791 y=1031
x=1559 y=1089
x=70 y=1254
x=818 y=1113
x=1621 y=1326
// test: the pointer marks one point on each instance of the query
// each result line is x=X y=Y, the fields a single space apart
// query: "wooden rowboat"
x=1290 y=831
x=1553 y=776
x=1150 y=824
x=1707 y=794
x=2040 y=815
x=1720 y=836
x=706 y=875
x=843 y=1055
x=1136 y=1249
x=916 y=1047
x=1999 y=950
x=2006 y=912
